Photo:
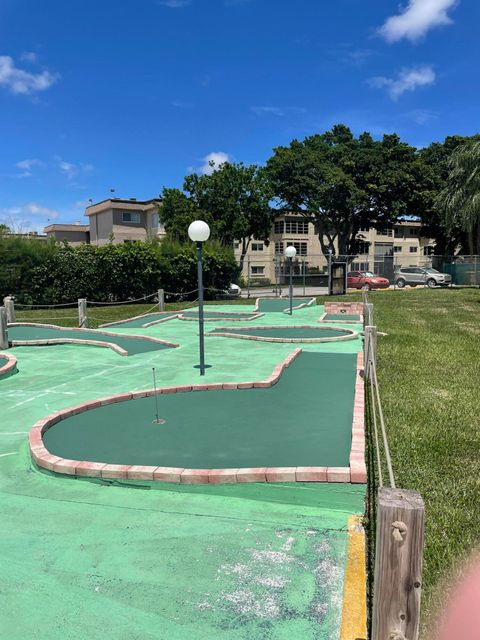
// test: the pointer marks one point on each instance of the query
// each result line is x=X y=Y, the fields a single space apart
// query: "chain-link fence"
x=310 y=273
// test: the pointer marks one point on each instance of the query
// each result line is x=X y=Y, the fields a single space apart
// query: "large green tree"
x=234 y=200
x=341 y=183
x=449 y=235
x=459 y=200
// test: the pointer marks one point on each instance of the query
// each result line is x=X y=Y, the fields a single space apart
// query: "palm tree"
x=459 y=200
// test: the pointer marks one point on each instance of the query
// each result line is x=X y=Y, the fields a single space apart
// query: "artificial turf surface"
x=132 y=344
x=275 y=427
x=285 y=332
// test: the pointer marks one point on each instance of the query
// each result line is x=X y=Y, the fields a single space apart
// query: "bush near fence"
x=61 y=273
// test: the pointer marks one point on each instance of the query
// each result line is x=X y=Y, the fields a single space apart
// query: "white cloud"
x=27 y=165
x=276 y=111
x=71 y=169
x=174 y=4
x=19 y=81
x=181 y=104
x=214 y=161
x=27 y=217
x=416 y=19
x=29 y=56
x=406 y=80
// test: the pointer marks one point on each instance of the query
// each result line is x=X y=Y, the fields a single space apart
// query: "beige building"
x=74 y=234
x=115 y=220
x=401 y=244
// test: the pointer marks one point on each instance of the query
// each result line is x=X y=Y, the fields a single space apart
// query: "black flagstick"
x=157 y=419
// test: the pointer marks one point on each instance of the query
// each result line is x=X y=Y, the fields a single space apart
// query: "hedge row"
x=56 y=273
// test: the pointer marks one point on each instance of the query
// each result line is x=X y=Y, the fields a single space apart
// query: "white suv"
x=420 y=275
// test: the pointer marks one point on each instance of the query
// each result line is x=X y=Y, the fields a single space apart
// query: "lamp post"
x=290 y=253
x=199 y=232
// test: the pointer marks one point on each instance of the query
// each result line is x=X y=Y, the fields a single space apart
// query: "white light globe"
x=199 y=231
x=290 y=252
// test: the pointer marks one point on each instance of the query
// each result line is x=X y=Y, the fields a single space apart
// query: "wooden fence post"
x=10 y=309
x=161 y=300
x=3 y=328
x=398 y=565
x=82 y=313
x=370 y=349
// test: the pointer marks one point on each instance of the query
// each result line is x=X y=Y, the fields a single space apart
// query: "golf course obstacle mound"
x=123 y=428
x=285 y=333
x=348 y=312
x=8 y=365
x=282 y=305
x=31 y=334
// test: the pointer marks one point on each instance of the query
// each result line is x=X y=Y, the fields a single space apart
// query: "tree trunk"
x=245 y=245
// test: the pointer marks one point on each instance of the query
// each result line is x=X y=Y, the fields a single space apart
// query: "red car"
x=366 y=280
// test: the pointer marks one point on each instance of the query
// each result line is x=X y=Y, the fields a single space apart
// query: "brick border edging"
x=225 y=334
x=299 y=306
x=355 y=473
x=358 y=468
x=96 y=343
x=226 y=317
x=323 y=316
x=9 y=367
x=337 y=307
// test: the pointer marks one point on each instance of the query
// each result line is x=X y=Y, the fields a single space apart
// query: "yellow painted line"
x=354 y=610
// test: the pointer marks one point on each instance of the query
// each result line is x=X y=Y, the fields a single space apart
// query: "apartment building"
x=74 y=234
x=401 y=244
x=115 y=220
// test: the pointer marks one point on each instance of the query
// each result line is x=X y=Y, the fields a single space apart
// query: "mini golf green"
x=303 y=420
x=144 y=320
x=341 y=317
x=131 y=344
x=286 y=333
x=279 y=305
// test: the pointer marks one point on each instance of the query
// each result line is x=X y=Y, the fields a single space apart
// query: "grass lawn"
x=429 y=373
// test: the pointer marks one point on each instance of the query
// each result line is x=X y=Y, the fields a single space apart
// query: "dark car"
x=366 y=280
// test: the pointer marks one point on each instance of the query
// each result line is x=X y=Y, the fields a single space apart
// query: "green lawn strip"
x=275 y=427
x=131 y=344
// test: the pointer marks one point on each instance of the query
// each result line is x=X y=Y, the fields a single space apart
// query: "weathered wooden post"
x=82 y=313
x=10 y=308
x=161 y=300
x=370 y=347
x=398 y=565
x=3 y=329
x=369 y=313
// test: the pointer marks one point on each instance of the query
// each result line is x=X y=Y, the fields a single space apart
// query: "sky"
x=133 y=95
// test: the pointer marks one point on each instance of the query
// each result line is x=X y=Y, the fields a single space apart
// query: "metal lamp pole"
x=290 y=253
x=199 y=232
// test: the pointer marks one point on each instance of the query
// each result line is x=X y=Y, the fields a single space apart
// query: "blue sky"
x=134 y=94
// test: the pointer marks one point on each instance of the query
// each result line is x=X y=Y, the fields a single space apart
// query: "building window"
x=414 y=231
x=397 y=249
x=278 y=247
x=301 y=247
x=131 y=217
x=383 y=249
x=428 y=251
x=360 y=266
x=155 y=220
x=236 y=244
x=398 y=232
x=385 y=232
x=257 y=271
x=363 y=247
x=296 y=226
x=413 y=249
x=257 y=246
x=278 y=226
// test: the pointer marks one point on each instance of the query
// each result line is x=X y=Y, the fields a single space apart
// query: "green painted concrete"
x=278 y=305
x=304 y=420
x=214 y=315
x=131 y=344
x=332 y=317
x=104 y=561
x=285 y=332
